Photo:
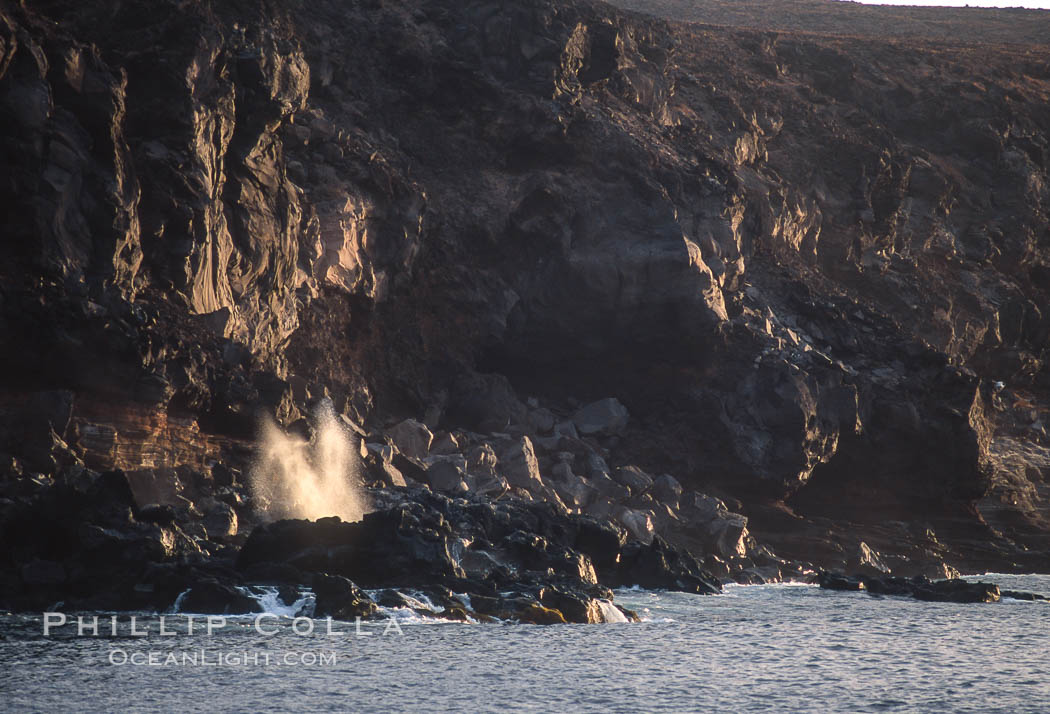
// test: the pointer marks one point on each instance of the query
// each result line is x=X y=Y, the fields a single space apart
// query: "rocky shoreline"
x=89 y=545
x=772 y=298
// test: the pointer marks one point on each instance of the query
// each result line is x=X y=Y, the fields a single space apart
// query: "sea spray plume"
x=295 y=478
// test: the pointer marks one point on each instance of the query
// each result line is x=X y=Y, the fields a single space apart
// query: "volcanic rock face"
x=804 y=277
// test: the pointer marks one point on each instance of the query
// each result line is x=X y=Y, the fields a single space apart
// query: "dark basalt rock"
x=955 y=591
x=662 y=567
x=922 y=588
x=529 y=549
x=339 y=598
x=786 y=280
x=215 y=598
x=1019 y=595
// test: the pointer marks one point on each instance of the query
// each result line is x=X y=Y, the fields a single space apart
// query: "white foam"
x=177 y=607
x=270 y=601
x=611 y=613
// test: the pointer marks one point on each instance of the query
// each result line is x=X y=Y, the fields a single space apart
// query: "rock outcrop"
x=766 y=296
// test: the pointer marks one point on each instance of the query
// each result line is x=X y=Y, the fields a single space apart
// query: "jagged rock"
x=659 y=566
x=447 y=474
x=210 y=597
x=572 y=606
x=956 y=591
x=517 y=463
x=608 y=488
x=154 y=513
x=572 y=490
x=667 y=489
x=606 y=416
x=536 y=614
x=220 y=520
x=565 y=430
x=444 y=444
x=867 y=562
x=189 y=248
x=339 y=598
x=482 y=462
x=920 y=588
x=412 y=438
x=633 y=478
x=542 y=420
x=638 y=523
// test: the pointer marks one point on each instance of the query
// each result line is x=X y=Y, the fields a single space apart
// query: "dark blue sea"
x=782 y=648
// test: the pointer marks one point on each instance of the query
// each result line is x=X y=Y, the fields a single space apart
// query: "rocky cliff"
x=805 y=277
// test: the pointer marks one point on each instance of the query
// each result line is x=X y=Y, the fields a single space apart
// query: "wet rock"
x=211 y=597
x=955 y=591
x=662 y=567
x=831 y=581
x=339 y=598
x=920 y=588
x=1019 y=595
x=574 y=607
x=536 y=614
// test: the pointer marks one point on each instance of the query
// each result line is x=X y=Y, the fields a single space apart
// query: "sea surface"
x=783 y=648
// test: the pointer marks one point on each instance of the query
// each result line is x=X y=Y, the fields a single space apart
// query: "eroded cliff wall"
x=814 y=269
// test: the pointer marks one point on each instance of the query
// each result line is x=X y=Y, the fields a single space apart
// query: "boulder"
x=536 y=614
x=638 y=523
x=447 y=473
x=220 y=520
x=663 y=567
x=339 y=598
x=955 y=591
x=444 y=444
x=606 y=416
x=573 y=490
x=666 y=489
x=519 y=466
x=154 y=513
x=574 y=606
x=482 y=462
x=541 y=420
x=728 y=535
x=210 y=597
x=608 y=488
x=565 y=430
x=920 y=587
x=412 y=438
x=866 y=562
x=633 y=478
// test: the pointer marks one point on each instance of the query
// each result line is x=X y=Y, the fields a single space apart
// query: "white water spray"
x=295 y=478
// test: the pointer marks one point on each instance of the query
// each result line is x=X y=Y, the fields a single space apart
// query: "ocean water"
x=782 y=648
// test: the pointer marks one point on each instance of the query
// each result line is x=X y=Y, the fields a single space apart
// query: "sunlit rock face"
x=813 y=271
